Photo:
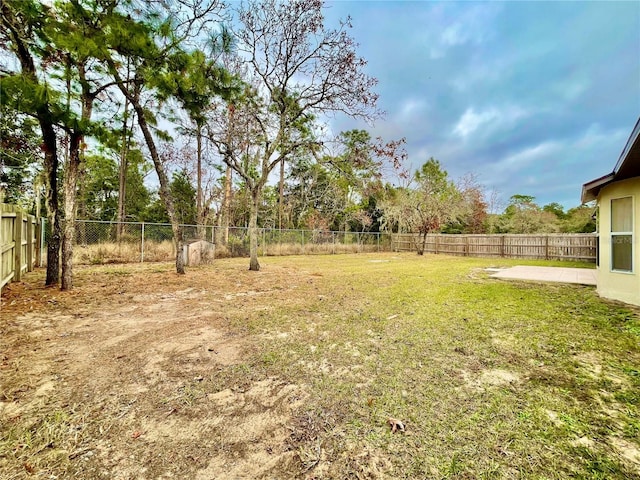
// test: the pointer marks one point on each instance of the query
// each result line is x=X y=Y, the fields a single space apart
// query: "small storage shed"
x=618 y=198
x=198 y=252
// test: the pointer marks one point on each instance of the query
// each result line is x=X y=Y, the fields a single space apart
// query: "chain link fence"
x=99 y=242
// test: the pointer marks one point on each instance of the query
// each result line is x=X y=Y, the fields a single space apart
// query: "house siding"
x=623 y=286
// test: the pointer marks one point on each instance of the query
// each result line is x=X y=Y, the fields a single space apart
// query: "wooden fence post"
x=2 y=274
x=38 y=247
x=546 y=247
x=29 y=243
x=17 y=245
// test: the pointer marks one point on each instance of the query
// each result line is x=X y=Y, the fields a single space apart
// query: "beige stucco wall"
x=619 y=285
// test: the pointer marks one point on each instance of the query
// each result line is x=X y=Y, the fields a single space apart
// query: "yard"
x=295 y=371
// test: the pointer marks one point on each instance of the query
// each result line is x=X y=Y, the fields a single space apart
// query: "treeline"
x=223 y=108
x=93 y=86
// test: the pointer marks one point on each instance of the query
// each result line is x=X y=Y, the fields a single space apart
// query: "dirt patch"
x=591 y=362
x=492 y=378
x=138 y=376
x=627 y=450
x=261 y=418
x=499 y=377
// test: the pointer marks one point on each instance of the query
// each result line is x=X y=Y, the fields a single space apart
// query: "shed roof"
x=628 y=166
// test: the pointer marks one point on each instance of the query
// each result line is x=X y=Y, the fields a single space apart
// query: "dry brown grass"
x=103 y=253
x=106 y=252
x=289 y=249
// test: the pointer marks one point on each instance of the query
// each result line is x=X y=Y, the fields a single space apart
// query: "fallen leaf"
x=396 y=425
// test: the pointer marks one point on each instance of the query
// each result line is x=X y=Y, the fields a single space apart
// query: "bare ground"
x=137 y=373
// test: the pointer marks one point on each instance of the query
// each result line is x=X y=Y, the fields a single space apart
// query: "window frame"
x=613 y=234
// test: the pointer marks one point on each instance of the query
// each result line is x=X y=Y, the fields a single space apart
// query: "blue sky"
x=535 y=98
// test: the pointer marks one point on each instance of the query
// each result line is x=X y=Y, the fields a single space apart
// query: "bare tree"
x=433 y=202
x=152 y=53
x=297 y=71
x=474 y=218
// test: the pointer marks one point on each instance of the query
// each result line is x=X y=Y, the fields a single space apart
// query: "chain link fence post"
x=264 y=242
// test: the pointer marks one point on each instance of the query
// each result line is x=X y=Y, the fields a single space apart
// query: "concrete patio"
x=583 y=276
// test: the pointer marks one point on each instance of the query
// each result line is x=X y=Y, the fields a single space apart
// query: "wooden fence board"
x=19 y=247
x=560 y=246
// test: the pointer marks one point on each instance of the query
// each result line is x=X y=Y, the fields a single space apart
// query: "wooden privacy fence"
x=20 y=235
x=552 y=246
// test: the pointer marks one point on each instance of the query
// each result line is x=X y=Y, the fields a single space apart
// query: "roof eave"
x=631 y=143
x=627 y=166
x=591 y=189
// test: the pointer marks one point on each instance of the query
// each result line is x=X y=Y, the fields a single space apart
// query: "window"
x=622 y=234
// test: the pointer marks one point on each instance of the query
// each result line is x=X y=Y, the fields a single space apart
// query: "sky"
x=534 y=98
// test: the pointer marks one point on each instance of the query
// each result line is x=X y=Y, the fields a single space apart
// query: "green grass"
x=494 y=379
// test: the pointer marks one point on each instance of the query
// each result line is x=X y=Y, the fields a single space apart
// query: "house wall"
x=621 y=286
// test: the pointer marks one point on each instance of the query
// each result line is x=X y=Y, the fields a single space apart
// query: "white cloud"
x=411 y=108
x=554 y=167
x=488 y=121
x=464 y=26
x=471 y=121
x=538 y=154
x=481 y=72
x=522 y=172
x=594 y=136
x=454 y=35
x=436 y=52
x=574 y=90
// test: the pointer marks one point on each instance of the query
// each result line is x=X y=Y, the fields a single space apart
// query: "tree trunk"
x=122 y=175
x=70 y=206
x=226 y=205
x=179 y=242
x=71 y=182
x=200 y=216
x=53 y=211
x=81 y=230
x=281 y=195
x=49 y=143
x=165 y=189
x=122 y=196
x=423 y=244
x=254 y=265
